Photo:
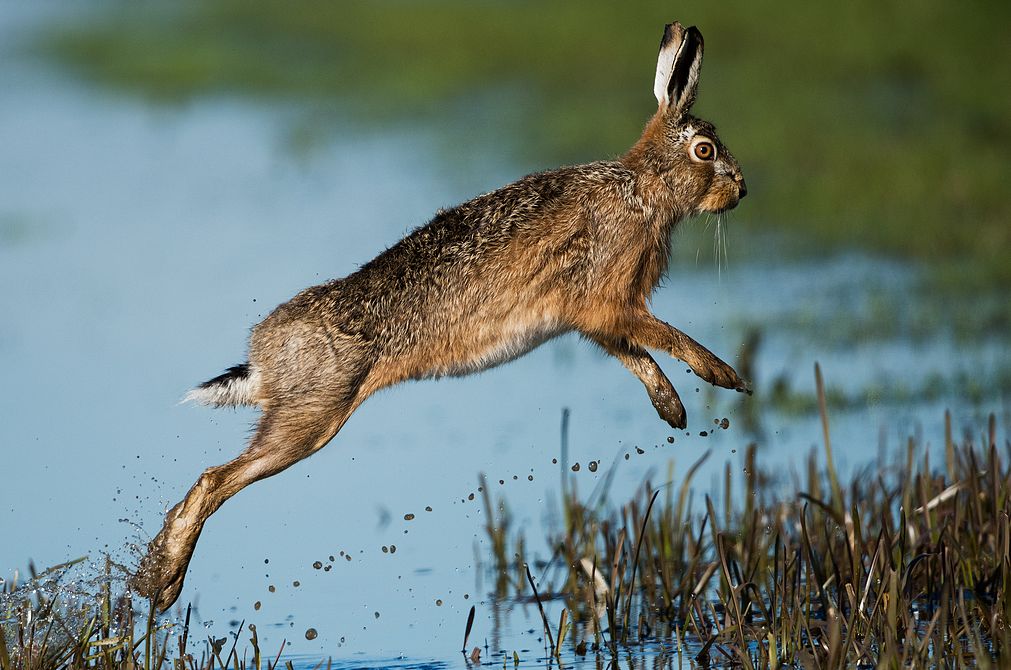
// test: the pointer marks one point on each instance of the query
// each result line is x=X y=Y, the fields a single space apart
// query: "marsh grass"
x=904 y=564
x=50 y=620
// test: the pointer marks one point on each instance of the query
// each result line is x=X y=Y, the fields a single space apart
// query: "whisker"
x=716 y=248
x=718 y=245
x=726 y=230
x=705 y=227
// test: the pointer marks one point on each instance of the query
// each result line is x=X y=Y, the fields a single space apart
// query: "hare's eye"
x=704 y=150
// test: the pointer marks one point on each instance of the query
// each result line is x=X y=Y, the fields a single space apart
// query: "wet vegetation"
x=868 y=125
x=46 y=623
x=904 y=564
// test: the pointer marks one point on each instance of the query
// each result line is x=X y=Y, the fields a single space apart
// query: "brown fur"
x=574 y=249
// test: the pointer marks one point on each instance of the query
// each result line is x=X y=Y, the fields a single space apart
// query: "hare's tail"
x=239 y=385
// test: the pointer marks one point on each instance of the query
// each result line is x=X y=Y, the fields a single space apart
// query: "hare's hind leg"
x=285 y=435
x=661 y=392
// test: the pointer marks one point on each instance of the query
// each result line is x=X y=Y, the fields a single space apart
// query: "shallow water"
x=138 y=243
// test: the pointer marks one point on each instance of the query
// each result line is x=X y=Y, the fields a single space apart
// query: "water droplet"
x=438 y=602
x=554 y=461
x=311 y=634
x=670 y=439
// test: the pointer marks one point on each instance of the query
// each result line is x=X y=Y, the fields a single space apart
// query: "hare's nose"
x=742 y=188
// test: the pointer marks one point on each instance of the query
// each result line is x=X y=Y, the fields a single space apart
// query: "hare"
x=574 y=249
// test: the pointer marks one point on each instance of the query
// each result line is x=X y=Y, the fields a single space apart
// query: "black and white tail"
x=239 y=385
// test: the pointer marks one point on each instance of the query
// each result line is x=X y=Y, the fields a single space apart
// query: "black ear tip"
x=695 y=35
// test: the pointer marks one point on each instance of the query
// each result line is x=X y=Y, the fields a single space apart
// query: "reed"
x=39 y=631
x=903 y=564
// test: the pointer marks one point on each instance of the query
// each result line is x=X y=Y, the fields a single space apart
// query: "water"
x=138 y=244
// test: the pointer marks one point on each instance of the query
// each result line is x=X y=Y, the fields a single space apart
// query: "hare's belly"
x=495 y=346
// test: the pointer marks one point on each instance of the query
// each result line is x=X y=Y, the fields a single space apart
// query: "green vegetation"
x=906 y=564
x=877 y=125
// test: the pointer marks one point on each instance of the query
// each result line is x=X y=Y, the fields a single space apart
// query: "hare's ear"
x=677 y=68
x=673 y=37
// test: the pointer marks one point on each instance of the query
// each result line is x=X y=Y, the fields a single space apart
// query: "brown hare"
x=574 y=249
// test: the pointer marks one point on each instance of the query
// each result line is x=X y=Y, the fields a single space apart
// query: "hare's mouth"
x=711 y=205
x=723 y=197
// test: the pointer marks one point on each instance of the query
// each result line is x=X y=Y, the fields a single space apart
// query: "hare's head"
x=682 y=149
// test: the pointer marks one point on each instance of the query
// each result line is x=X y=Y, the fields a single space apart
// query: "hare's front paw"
x=718 y=373
x=668 y=405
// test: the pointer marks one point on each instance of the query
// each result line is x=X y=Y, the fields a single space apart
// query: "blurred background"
x=169 y=173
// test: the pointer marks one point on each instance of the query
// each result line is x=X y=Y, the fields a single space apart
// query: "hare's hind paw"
x=162 y=570
x=158 y=580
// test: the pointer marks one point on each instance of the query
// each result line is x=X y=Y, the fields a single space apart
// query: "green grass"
x=873 y=125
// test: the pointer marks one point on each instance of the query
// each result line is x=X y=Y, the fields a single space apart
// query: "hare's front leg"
x=661 y=392
x=649 y=332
